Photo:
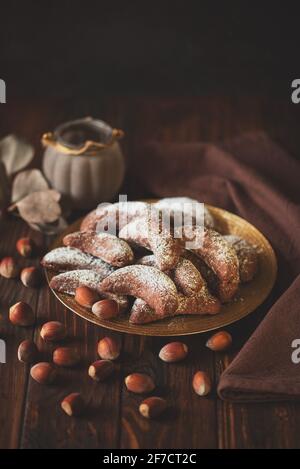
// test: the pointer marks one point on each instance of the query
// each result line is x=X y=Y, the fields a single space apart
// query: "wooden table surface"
x=30 y=414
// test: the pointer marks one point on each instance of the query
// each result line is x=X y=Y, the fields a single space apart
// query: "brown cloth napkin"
x=254 y=177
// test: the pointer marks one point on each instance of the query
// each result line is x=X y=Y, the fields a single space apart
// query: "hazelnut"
x=25 y=247
x=219 y=341
x=139 y=383
x=173 y=352
x=105 y=309
x=43 y=373
x=108 y=348
x=53 y=331
x=201 y=383
x=31 y=277
x=28 y=351
x=73 y=404
x=100 y=370
x=153 y=407
x=86 y=297
x=21 y=314
x=9 y=268
x=65 y=356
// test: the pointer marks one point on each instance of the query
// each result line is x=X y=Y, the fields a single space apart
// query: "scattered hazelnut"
x=28 y=351
x=219 y=341
x=21 y=314
x=86 y=297
x=73 y=404
x=139 y=383
x=9 y=268
x=201 y=383
x=173 y=352
x=153 y=407
x=43 y=373
x=31 y=277
x=65 y=356
x=53 y=331
x=108 y=348
x=100 y=370
x=25 y=247
x=105 y=309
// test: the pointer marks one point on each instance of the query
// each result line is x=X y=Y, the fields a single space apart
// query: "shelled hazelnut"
x=43 y=373
x=101 y=370
x=73 y=404
x=53 y=331
x=108 y=348
x=28 y=352
x=66 y=356
x=21 y=314
x=9 y=268
x=31 y=277
x=139 y=383
x=201 y=383
x=105 y=309
x=219 y=341
x=25 y=247
x=173 y=352
x=152 y=407
x=86 y=297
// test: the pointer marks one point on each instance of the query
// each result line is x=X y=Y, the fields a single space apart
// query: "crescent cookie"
x=67 y=258
x=247 y=256
x=147 y=283
x=67 y=283
x=203 y=303
x=219 y=255
x=155 y=237
x=113 y=215
x=206 y=272
x=106 y=246
x=180 y=207
x=185 y=275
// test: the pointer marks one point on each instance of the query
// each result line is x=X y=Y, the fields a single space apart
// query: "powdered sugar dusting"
x=185 y=206
x=151 y=234
x=219 y=256
x=113 y=217
x=247 y=255
x=67 y=258
x=187 y=277
x=67 y=283
x=105 y=246
x=148 y=283
x=202 y=303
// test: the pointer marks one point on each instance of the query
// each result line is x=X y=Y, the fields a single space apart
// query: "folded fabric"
x=254 y=177
x=265 y=368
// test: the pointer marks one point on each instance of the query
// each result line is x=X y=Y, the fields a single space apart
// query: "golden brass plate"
x=249 y=296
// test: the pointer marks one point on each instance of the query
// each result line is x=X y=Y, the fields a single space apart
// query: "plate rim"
x=141 y=329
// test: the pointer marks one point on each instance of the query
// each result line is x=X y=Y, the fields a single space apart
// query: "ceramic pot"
x=83 y=161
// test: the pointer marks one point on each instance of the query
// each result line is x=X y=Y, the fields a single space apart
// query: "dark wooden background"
x=30 y=414
x=78 y=49
x=172 y=72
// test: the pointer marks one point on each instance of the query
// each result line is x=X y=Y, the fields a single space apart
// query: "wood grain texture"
x=30 y=415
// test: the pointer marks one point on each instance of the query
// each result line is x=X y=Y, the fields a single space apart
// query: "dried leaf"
x=26 y=182
x=50 y=228
x=40 y=207
x=15 y=153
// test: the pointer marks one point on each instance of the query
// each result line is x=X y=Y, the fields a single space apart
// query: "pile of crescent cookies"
x=149 y=270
